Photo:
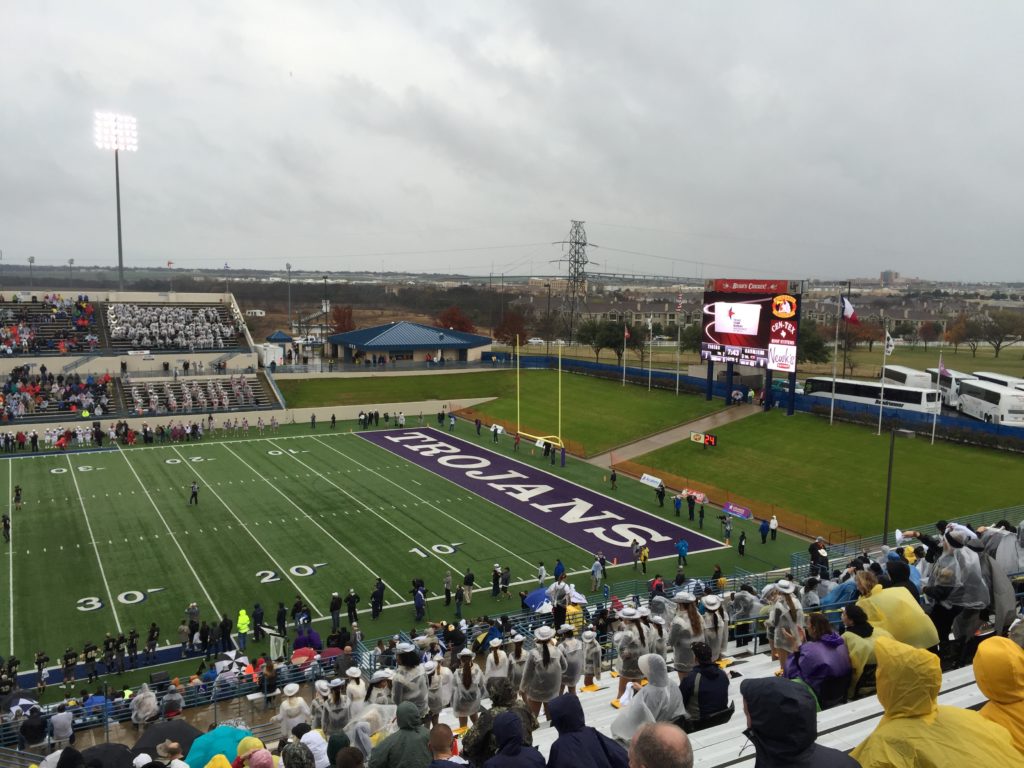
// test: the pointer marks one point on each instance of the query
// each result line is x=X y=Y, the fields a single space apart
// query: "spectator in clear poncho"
x=468 y=690
x=545 y=666
x=630 y=644
x=658 y=701
x=957 y=590
x=1005 y=544
x=716 y=625
x=784 y=620
x=687 y=629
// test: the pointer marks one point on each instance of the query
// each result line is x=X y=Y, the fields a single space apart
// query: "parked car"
x=558 y=343
x=535 y=340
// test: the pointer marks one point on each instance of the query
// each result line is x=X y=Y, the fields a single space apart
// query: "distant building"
x=409 y=342
x=890 y=277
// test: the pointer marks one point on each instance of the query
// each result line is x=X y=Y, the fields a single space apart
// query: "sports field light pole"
x=71 y=264
x=31 y=280
x=119 y=133
x=909 y=434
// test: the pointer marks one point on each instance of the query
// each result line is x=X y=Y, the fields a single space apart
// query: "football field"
x=106 y=541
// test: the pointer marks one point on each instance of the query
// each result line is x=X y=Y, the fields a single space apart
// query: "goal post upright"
x=560 y=395
x=519 y=425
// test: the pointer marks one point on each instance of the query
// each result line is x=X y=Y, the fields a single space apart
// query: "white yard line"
x=465 y=525
x=327 y=533
x=371 y=510
x=92 y=538
x=174 y=538
x=10 y=545
x=282 y=570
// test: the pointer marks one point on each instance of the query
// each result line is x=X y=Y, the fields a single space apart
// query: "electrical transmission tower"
x=574 y=299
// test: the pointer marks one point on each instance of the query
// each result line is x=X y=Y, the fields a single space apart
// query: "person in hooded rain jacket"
x=860 y=637
x=895 y=611
x=822 y=656
x=999 y=671
x=782 y=725
x=660 y=701
x=242 y=624
x=406 y=747
x=481 y=741
x=916 y=731
x=578 y=745
x=512 y=752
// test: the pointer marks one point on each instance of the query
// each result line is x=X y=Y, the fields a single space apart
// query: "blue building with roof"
x=410 y=342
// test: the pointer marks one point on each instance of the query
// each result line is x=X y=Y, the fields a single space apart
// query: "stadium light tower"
x=31 y=281
x=119 y=133
x=71 y=264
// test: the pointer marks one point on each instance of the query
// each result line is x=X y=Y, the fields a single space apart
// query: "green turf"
x=595 y=412
x=838 y=473
x=100 y=530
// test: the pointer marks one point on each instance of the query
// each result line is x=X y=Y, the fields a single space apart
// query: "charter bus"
x=992 y=403
x=920 y=399
x=949 y=384
x=906 y=377
x=999 y=378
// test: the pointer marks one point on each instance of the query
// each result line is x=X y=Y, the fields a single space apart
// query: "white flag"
x=890 y=345
x=650 y=323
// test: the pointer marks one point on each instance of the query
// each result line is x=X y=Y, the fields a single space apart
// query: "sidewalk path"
x=674 y=435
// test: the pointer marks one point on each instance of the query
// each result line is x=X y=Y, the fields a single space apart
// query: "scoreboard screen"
x=751 y=322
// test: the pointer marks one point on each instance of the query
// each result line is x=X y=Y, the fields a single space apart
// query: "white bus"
x=949 y=384
x=992 y=403
x=906 y=377
x=999 y=378
x=921 y=399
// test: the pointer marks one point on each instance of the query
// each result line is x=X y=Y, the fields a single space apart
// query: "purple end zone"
x=591 y=521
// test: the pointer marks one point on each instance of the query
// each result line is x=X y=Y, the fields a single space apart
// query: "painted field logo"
x=578 y=515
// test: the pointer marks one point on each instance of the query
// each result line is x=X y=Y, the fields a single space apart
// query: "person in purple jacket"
x=822 y=661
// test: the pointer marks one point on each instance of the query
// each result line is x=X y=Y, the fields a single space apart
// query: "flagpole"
x=835 y=356
x=625 y=338
x=885 y=354
x=650 y=353
x=678 y=341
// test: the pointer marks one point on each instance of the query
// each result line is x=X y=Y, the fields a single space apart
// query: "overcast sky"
x=784 y=139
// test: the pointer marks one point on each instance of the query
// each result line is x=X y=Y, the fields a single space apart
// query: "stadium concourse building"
x=409 y=342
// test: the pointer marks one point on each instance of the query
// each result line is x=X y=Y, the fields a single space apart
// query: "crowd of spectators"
x=69 y=326
x=888 y=638
x=25 y=393
x=171 y=327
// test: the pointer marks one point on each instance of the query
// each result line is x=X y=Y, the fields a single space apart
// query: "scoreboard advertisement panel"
x=751 y=322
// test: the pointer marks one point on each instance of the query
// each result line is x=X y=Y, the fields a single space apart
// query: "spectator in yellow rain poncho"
x=999 y=670
x=915 y=731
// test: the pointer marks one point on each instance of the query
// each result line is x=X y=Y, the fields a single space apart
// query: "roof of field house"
x=407 y=336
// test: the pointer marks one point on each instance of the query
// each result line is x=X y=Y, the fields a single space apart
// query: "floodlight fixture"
x=120 y=133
